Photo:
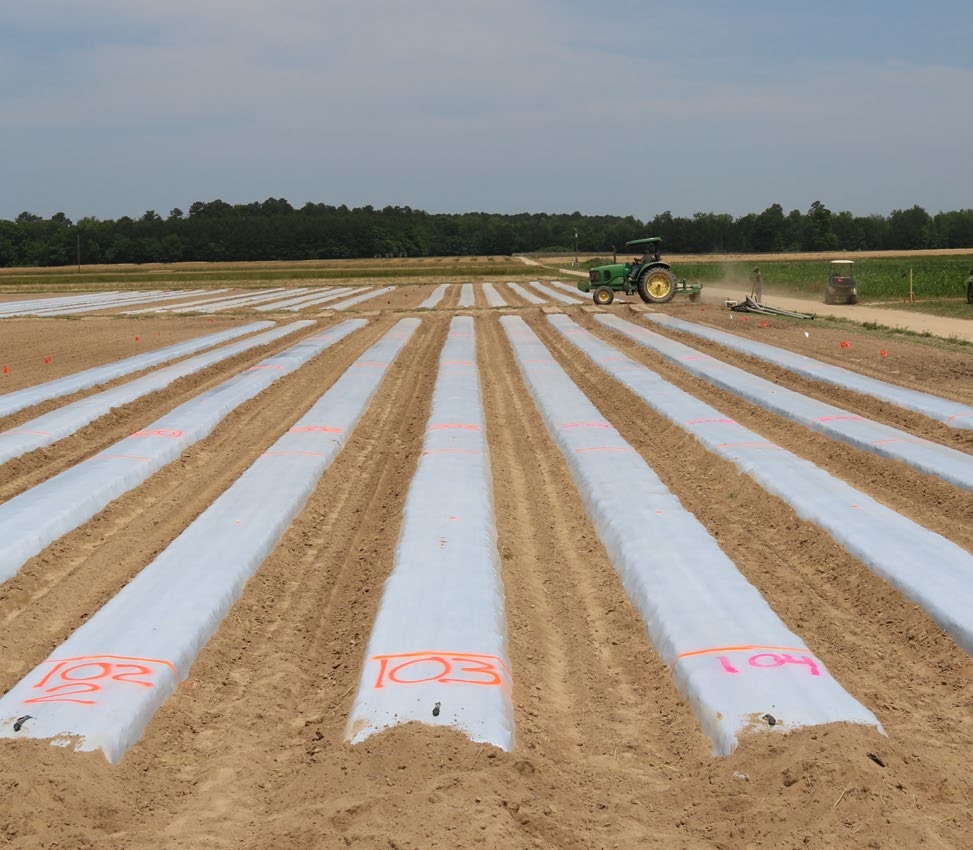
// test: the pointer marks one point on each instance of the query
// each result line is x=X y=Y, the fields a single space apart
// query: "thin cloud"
x=619 y=107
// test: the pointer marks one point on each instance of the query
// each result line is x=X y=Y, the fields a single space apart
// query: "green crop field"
x=879 y=278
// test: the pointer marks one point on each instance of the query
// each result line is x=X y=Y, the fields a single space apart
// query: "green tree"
x=818 y=233
x=909 y=229
x=769 y=230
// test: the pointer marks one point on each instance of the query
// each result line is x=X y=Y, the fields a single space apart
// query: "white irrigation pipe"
x=467 y=298
x=560 y=297
x=927 y=568
x=438 y=649
x=18 y=400
x=437 y=295
x=101 y=687
x=61 y=423
x=731 y=655
x=493 y=298
x=37 y=517
x=949 y=412
x=526 y=294
x=949 y=464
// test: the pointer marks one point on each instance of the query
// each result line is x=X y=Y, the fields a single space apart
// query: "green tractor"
x=650 y=277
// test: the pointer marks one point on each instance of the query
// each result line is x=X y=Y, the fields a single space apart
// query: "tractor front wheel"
x=604 y=295
x=657 y=286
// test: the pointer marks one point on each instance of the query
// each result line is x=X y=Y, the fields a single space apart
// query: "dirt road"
x=250 y=751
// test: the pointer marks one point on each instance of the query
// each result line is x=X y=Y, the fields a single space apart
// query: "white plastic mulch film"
x=295 y=305
x=38 y=516
x=493 y=298
x=252 y=299
x=953 y=466
x=571 y=289
x=555 y=294
x=467 y=297
x=102 y=301
x=18 y=400
x=926 y=567
x=739 y=666
x=101 y=687
x=66 y=420
x=204 y=304
x=949 y=412
x=435 y=297
x=366 y=295
x=526 y=294
x=36 y=306
x=438 y=650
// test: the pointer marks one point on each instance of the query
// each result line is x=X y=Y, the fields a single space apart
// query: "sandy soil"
x=250 y=754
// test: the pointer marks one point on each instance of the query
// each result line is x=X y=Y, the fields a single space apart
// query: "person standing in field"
x=969 y=288
x=758 y=285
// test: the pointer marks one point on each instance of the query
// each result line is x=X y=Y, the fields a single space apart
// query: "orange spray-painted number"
x=79 y=680
x=416 y=668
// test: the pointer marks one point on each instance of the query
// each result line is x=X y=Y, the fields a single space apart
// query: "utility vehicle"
x=842 y=288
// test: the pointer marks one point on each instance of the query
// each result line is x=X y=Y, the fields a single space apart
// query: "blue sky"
x=628 y=107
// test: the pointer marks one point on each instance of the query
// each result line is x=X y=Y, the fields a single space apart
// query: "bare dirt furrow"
x=919 y=361
x=721 y=498
x=286 y=659
x=513 y=298
x=59 y=588
x=875 y=642
x=23 y=416
x=586 y=676
x=450 y=299
x=38 y=350
x=924 y=498
x=22 y=473
x=250 y=751
x=960 y=388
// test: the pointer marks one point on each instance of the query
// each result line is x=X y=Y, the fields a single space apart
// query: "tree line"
x=274 y=230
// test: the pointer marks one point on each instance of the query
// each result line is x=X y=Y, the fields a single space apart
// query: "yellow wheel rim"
x=659 y=286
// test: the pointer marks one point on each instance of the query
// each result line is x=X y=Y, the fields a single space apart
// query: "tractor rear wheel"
x=657 y=286
x=604 y=295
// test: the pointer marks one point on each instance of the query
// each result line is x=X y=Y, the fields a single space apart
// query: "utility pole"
x=575 y=247
x=78 y=252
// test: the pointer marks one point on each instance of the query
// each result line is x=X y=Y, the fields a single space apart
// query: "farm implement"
x=751 y=305
x=649 y=276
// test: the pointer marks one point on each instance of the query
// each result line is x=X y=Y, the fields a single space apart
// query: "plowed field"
x=250 y=752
